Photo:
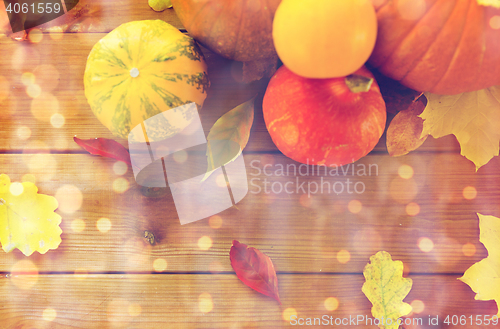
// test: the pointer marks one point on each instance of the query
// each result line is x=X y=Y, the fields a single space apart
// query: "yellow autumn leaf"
x=386 y=288
x=484 y=276
x=473 y=117
x=27 y=219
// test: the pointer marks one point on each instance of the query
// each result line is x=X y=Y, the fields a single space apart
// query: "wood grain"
x=110 y=279
x=299 y=233
x=159 y=300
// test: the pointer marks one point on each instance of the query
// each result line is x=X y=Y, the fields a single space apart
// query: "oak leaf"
x=473 y=117
x=404 y=132
x=27 y=219
x=483 y=276
x=255 y=269
x=386 y=288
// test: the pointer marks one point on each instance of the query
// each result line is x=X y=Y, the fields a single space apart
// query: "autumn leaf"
x=482 y=277
x=473 y=117
x=27 y=219
x=254 y=269
x=104 y=147
x=386 y=288
x=404 y=132
x=229 y=135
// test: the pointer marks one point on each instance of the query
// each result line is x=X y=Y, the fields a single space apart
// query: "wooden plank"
x=106 y=15
x=152 y=301
x=59 y=66
x=300 y=234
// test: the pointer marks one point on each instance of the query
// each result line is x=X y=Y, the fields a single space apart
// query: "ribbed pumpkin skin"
x=171 y=72
x=449 y=49
x=236 y=29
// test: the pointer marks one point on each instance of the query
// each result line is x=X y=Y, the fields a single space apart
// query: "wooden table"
x=319 y=244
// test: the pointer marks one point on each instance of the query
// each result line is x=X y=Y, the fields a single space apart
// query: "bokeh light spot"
x=134 y=309
x=120 y=168
x=81 y=273
x=57 y=120
x=495 y=22
x=27 y=78
x=305 y=200
x=35 y=35
x=24 y=274
x=205 y=303
x=117 y=312
x=43 y=166
x=469 y=192
x=103 y=225
x=343 y=256
x=354 y=206
x=16 y=188
x=425 y=244
x=205 y=242
x=70 y=198
x=49 y=314
x=412 y=209
x=120 y=185
x=288 y=313
x=418 y=306
x=215 y=221
x=216 y=267
x=180 y=156
x=405 y=171
x=331 y=303
x=77 y=225
x=469 y=249
x=23 y=133
x=160 y=264
x=34 y=90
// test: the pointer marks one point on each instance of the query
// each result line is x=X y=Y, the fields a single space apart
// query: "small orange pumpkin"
x=441 y=46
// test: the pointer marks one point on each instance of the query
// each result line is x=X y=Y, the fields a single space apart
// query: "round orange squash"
x=440 y=46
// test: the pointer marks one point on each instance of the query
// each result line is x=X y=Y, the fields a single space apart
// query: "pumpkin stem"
x=134 y=73
x=489 y=3
x=358 y=83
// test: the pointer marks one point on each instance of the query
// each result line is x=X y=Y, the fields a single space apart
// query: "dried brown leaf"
x=403 y=134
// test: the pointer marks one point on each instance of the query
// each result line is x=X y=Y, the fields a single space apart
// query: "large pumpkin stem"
x=490 y=3
x=358 y=83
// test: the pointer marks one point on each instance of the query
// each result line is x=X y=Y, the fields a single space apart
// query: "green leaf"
x=386 y=288
x=229 y=136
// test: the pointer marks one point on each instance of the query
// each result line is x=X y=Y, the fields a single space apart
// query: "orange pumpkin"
x=236 y=29
x=441 y=46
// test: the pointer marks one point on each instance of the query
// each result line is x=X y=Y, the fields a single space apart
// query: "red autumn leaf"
x=104 y=147
x=255 y=269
